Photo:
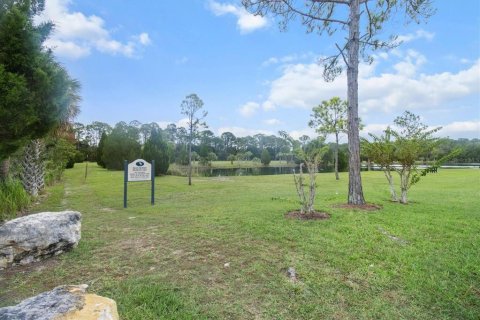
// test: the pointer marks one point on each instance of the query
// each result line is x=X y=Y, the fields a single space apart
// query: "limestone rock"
x=63 y=303
x=38 y=236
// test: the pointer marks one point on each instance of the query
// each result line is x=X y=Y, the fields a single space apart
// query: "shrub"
x=265 y=157
x=13 y=198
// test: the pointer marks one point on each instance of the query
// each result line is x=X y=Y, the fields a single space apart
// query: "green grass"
x=13 y=198
x=167 y=261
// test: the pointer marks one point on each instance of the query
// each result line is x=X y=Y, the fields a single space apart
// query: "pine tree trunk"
x=336 y=156
x=355 y=191
x=190 y=162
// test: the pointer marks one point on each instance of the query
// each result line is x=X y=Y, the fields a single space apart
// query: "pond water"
x=260 y=171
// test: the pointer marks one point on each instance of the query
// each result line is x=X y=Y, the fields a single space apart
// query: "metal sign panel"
x=139 y=170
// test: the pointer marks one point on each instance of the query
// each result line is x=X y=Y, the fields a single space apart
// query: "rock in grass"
x=38 y=236
x=65 y=302
x=292 y=274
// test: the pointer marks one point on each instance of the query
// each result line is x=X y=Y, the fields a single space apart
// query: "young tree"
x=330 y=117
x=382 y=151
x=265 y=157
x=403 y=146
x=347 y=16
x=412 y=138
x=189 y=107
x=310 y=157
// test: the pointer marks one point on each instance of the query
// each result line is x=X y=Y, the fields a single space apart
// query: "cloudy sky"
x=137 y=60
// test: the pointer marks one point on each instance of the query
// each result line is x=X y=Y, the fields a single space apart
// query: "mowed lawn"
x=220 y=249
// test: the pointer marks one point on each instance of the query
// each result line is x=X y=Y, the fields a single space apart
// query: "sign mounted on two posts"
x=138 y=170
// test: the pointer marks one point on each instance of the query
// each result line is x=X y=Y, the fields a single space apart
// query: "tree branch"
x=343 y=55
x=329 y=20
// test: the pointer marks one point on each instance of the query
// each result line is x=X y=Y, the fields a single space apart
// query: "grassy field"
x=416 y=261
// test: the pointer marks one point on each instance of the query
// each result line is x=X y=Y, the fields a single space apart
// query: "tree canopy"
x=36 y=92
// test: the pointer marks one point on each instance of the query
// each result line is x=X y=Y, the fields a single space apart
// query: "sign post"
x=138 y=170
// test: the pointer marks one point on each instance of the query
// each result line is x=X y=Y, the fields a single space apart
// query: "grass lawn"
x=416 y=261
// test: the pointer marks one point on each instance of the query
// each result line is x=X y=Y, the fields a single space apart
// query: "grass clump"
x=140 y=299
x=13 y=198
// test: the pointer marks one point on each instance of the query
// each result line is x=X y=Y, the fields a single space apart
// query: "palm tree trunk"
x=4 y=169
x=33 y=175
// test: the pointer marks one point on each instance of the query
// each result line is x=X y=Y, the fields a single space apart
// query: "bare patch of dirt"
x=37 y=266
x=364 y=207
x=310 y=216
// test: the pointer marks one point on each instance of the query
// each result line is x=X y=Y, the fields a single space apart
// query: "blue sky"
x=137 y=60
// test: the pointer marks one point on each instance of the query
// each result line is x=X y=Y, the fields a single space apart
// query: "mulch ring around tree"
x=307 y=216
x=363 y=207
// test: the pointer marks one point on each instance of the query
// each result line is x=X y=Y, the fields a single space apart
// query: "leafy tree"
x=404 y=146
x=330 y=117
x=412 y=138
x=346 y=16
x=156 y=148
x=58 y=153
x=189 y=107
x=265 y=157
x=231 y=158
x=382 y=151
x=122 y=144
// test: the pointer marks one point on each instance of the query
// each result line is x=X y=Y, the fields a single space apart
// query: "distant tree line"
x=109 y=146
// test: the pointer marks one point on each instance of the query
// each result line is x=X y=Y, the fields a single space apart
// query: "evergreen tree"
x=265 y=157
x=156 y=148
x=101 y=146
x=122 y=144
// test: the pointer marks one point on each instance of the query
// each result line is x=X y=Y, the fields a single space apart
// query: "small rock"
x=64 y=302
x=226 y=265
x=292 y=274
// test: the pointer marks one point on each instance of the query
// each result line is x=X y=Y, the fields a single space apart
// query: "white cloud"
x=249 y=109
x=243 y=132
x=302 y=86
x=287 y=59
x=144 y=39
x=246 y=22
x=461 y=129
x=272 y=122
x=374 y=128
x=296 y=134
x=419 y=34
x=76 y=35
x=454 y=130
x=180 y=123
x=268 y=105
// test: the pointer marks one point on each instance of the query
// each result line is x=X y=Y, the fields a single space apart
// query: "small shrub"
x=265 y=157
x=13 y=198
